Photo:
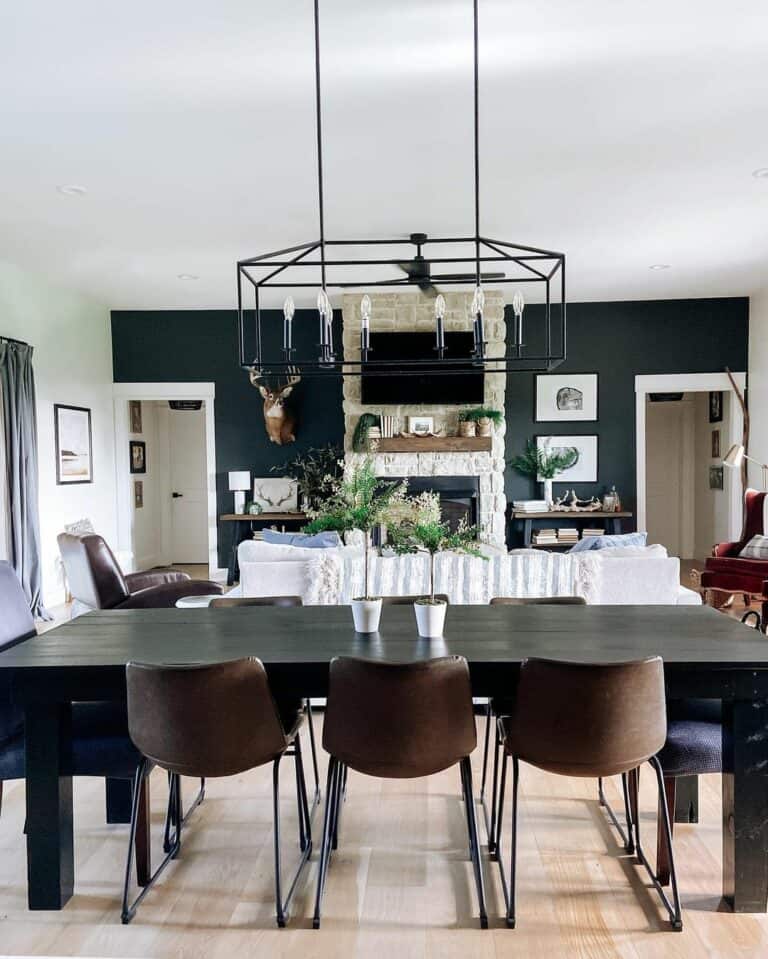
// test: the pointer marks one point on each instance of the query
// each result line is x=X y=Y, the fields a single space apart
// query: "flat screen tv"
x=464 y=385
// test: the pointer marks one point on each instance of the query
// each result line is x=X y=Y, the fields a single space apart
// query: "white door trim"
x=691 y=383
x=121 y=393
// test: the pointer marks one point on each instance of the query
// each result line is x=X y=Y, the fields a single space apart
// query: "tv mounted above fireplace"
x=421 y=384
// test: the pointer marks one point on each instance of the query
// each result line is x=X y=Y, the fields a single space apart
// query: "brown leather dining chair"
x=577 y=719
x=209 y=720
x=398 y=721
x=496 y=707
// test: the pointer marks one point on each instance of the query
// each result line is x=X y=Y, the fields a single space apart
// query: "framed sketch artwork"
x=134 y=414
x=74 y=447
x=716 y=406
x=584 y=470
x=716 y=477
x=138 y=456
x=715 y=444
x=276 y=494
x=566 y=396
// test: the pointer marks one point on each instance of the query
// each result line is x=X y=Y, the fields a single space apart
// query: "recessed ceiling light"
x=659 y=266
x=71 y=189
x=761 y=174
x=187 y=276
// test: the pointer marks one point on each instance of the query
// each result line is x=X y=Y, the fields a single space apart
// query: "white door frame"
x=122 y=392
x=692 y=383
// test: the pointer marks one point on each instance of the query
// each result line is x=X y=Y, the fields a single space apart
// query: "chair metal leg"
x=325 y=848
x=474 y=841
x=486 y=743
x=341 y=795
x=662 y=849
x=142 y=840
x=490 y=816
x=508 y=887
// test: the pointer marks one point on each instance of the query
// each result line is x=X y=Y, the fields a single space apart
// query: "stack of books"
x=569 y=535
x=530 y=506
x=588 y=531
x=545 y=537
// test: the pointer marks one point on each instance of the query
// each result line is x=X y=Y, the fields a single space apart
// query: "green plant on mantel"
x=360 y=436
x=316 y=471
x=545 y=463
x=481 y=413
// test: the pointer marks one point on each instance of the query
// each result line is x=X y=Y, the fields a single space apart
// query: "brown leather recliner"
x=97 y=582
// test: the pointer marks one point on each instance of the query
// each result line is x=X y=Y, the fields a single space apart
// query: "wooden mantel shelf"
x=433 y=444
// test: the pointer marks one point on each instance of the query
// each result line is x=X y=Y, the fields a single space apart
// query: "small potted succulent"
x=420 y=530
x=484 y=419
x=358 y=500
x=546 y=463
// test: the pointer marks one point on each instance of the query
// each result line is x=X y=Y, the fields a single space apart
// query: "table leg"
x=686 y=799
x=745 y=806
x=50 y=859
x=119 y=796
x=615 y=522
x=527 y=532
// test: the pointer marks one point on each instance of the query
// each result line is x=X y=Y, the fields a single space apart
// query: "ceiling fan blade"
x=407 y=266
x=426 y=286
x=469 y=277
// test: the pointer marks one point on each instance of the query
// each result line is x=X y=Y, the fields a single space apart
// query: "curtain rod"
x=12 y=339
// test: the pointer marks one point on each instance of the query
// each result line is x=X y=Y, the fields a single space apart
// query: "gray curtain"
x=20 y=435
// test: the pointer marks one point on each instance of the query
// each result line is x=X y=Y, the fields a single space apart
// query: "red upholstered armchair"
x=725 y=571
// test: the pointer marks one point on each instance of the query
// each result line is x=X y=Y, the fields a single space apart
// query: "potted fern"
x=484 y=417
x=420 y=530
x=545 y=464
x=359 y=499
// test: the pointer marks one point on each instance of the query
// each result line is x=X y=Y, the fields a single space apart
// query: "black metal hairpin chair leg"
x=632 y=783
x=486 y=743
x=490 y=816
x=508 y=888
x=305 y=830
x=334 y=777
x=313 y=747
x=474 y=840
x=170 y=820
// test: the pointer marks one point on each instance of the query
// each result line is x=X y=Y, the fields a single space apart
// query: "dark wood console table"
x=243 y=526
x=611 y=523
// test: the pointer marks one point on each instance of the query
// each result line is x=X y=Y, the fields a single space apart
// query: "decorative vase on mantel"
x=548 y=492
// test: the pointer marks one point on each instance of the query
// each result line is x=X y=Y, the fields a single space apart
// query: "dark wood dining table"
x=706 y=654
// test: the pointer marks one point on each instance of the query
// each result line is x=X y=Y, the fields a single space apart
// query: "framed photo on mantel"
x=566 y=396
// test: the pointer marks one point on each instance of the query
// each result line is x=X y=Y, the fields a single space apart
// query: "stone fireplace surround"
x=411 y=312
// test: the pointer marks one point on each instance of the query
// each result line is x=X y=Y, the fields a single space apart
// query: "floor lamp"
x=736 y=455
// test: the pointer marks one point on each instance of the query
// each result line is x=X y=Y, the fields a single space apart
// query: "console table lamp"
x=736 y=454
x=239 y=482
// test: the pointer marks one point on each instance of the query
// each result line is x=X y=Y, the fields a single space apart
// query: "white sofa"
x=638 y=576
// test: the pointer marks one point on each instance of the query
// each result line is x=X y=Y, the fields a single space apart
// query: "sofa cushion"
x=275 y=579
x=607 y=541
x=257 y=551
x=756 y=548
x=324 y=540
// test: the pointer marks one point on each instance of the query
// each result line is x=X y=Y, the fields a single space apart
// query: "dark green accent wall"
x=619 y=341
x=616 y=340
x=201 y=345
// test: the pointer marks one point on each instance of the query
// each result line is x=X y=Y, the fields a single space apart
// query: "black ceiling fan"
x=419 y=270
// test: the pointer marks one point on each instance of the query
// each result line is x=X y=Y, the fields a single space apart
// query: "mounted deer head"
x=279 y=420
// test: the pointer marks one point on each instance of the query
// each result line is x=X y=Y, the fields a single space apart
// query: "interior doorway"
x=686 y=499
x=167 y=512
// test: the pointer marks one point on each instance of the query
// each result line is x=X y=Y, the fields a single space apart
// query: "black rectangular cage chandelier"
x=363 y=264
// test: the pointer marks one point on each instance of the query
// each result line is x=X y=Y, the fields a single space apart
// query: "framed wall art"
x=276 y=494
x=584 y=469
x=561 y=397
x=716 y=477
x=138 y=456
x=138 y=494
x=715 y=444
x=134 y=414
x=74 y=444
x=716 y=406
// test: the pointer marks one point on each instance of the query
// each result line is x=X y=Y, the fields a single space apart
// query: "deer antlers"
x=257 y=379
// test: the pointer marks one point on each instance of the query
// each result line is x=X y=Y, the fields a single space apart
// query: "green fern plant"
x=482 y=413
x=536 y=461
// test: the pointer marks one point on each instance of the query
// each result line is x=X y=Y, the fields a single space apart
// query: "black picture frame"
x=566 y=419
x=716 y=406
x=716 y=477
x=65 y=471
x=137 y=456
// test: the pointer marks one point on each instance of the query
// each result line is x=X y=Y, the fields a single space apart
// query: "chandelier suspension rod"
x=477 y=142
x=319 y=128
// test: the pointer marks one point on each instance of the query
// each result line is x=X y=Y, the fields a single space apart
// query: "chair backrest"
x=399 y=720
x=224 y=602
x=754 y=515
x=93 y=574
x=409 y=600
x=538 y=601
x=588 y=719
x=202 y=720
x=16 y=624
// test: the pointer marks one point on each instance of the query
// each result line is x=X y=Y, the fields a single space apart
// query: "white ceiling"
x=624 y=134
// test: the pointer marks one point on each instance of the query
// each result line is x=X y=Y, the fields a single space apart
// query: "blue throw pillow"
x=326 y=540
x=606 y=542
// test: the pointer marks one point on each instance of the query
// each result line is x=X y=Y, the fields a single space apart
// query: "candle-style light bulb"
x=365 y=325
x=478 y=300
x=478 y=305
x=326 y=319
x=288 y=310
x=518 y=305
x=439 y=323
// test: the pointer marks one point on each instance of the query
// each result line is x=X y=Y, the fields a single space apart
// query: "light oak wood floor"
x=400 y=885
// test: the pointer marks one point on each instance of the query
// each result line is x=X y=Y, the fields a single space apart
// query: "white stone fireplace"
x=413 y=311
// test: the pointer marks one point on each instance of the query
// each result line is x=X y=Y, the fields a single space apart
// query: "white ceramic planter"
x=366 y=613
x=548 y=492
x=430 y=620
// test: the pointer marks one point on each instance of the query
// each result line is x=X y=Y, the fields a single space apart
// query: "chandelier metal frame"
x=283 y=269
